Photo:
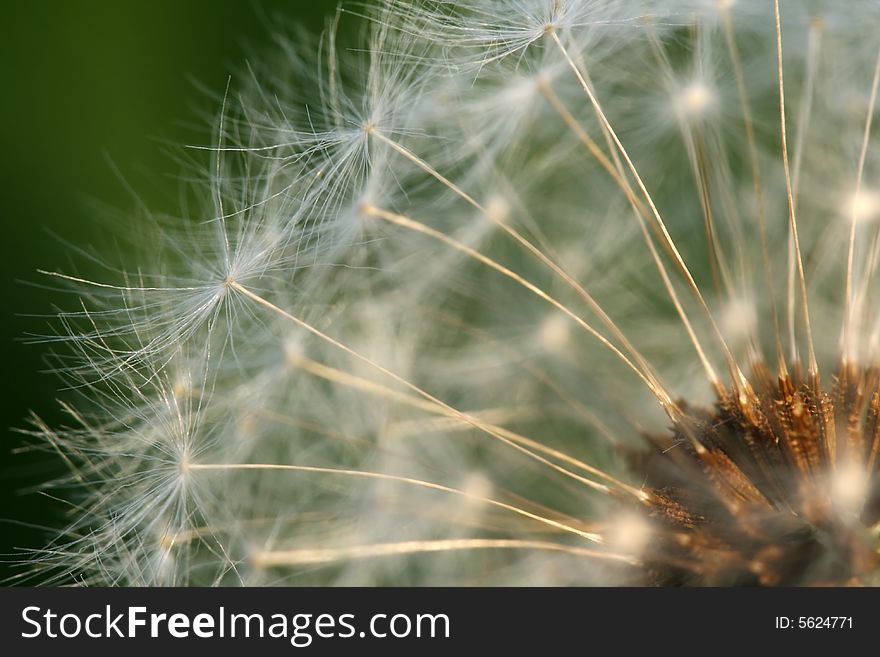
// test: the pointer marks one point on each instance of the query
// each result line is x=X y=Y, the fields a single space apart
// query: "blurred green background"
x=88 y=86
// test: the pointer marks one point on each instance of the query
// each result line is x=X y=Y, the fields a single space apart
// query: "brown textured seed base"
x=749 y=492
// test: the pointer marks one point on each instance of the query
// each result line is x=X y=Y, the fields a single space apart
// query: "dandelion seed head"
x=507 y=292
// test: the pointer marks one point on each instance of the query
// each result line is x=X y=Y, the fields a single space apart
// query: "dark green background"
x=86 y=83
